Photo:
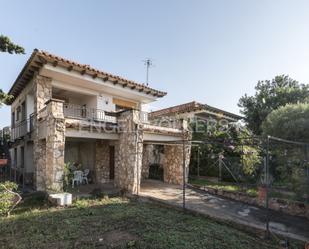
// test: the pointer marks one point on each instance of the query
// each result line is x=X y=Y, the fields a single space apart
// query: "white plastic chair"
x=77 y=177
x=85 y=176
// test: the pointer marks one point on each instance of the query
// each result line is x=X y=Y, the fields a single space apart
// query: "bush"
x=7 y=197
x=289 y=122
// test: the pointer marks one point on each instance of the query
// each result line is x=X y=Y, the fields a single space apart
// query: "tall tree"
x=7 y=46
x=270 y=95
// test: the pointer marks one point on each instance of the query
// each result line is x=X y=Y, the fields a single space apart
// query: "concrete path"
x=225 y=209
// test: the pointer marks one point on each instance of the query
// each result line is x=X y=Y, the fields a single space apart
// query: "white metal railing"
x=81 y=112
x=144 y=117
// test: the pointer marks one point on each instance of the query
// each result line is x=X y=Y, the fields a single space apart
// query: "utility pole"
x=148 y=64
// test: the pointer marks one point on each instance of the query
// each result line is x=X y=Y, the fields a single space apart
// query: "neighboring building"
x=63 y=111
x=193 y=110
x=190 y=112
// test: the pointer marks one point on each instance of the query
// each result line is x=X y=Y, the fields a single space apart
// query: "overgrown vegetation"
x=280 y=108
x=233 y=145
x=7 y=197
x=270 y=95
x=289 y=122
x=7 y=46
x=119 y=223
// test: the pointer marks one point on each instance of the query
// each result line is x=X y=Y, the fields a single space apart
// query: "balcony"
x=90 y=114
x=22 y=129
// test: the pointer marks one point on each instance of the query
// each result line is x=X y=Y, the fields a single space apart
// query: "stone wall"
x=55 y=145
x=129 y=161
x=102 y=158
x=48 y=153
x=174 y=160
x=39 y=160
x=148 y=158
x=173 y=163
x=42 y=89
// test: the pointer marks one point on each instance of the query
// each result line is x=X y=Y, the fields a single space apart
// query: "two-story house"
x=64 y=111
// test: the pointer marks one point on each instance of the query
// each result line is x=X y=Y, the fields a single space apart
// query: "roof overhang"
x=198 y=109
x=41 y=59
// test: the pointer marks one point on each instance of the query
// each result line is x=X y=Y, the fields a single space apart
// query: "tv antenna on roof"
x=148 y=63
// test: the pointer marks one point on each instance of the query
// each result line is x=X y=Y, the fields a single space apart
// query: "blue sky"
x=212 y=51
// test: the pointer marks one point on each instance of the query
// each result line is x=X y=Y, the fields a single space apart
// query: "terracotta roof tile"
x=190 y=107
x=56 y=60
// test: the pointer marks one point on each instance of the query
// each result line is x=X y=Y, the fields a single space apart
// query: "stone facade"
x=48 y=152
x=39 y=158
x=173 y=163
x=55 y=145
x=130 y=152
x=148 y=158
x=102 y=157
x=42 y=93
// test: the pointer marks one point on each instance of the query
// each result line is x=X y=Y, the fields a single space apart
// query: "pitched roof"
x=191 y=107
x=39 y=58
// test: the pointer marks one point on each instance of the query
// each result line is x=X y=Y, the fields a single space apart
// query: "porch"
x=94 y=155
x=95 y=190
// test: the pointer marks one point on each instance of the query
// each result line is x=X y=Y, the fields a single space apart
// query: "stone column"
x=129 y=161
x=102 y=162
x=42 y=90
x=148 y=158
x=174 y=159
x=55 y=145
x=39 y=160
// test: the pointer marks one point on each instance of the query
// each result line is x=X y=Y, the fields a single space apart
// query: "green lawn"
x=251 y=191
x=224 y=186
x=118 y=223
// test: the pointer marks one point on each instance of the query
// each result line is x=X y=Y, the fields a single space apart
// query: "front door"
x=111 y=162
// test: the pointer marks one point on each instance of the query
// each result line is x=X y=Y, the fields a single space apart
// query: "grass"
x=225 y=186
x=118 y=223
x=251 y=191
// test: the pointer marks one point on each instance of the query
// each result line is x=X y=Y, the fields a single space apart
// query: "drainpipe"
x=183 y=168
x=137 y=129
x=184 y=175
x=267 y=189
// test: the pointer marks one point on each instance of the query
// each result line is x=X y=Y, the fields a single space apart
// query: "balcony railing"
x=144 y=117
x=23 y=128
x=91 y=114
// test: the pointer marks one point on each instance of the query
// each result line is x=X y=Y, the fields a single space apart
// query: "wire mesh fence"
x=272 y=189
x=288 y=170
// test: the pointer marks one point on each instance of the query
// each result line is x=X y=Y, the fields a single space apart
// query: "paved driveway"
x=225 y=209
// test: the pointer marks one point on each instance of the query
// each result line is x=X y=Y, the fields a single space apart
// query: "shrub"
x=8 y=198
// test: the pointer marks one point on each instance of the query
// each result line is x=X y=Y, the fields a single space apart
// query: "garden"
x=119 y=223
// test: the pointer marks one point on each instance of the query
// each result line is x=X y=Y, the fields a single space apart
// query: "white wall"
x=29 y=104
x=89 y=101
x=105 y=102
x=21 y=98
